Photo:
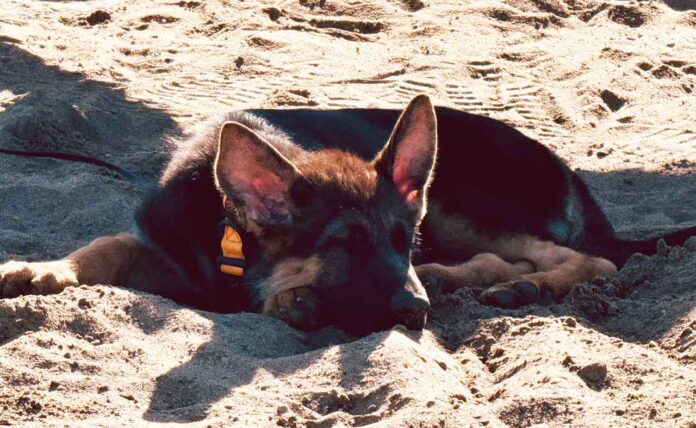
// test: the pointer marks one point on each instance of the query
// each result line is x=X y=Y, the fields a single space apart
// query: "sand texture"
x=610 y=85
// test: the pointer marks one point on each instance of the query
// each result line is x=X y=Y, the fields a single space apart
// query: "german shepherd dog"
x=325 y=222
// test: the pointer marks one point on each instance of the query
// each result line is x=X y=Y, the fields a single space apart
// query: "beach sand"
x=609 y=85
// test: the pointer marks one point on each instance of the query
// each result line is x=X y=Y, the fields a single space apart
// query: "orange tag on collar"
x=231 y=245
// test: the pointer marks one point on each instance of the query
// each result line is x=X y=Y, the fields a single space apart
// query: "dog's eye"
x=356 y=239
x=400 y=239
x=352 y=238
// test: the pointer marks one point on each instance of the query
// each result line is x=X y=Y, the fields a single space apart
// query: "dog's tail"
x=619 y=250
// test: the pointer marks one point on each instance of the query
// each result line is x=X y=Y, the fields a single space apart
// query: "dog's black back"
x=500 y=179
x=487 y=171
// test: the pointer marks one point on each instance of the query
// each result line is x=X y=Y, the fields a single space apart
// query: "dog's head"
x=334 y=222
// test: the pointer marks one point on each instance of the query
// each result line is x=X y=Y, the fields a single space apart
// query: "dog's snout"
x=409 y=309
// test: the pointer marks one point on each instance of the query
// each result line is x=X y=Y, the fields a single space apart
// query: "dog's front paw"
x=17 y=278
x=512 y=295
x=298 y=307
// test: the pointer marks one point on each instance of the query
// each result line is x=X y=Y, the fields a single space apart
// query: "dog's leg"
x=557 y=270
x=106 y=260
x=482 y=270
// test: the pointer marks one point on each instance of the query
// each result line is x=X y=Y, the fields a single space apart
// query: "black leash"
x=130 y=177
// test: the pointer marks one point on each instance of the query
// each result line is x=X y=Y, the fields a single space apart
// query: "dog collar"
x=231 y=262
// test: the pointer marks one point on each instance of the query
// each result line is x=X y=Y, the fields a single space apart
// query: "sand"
x=609 y=85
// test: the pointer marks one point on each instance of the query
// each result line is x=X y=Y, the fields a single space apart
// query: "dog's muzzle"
x=409 y=309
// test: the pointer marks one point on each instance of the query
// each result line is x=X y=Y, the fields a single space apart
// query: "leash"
x=128 y=176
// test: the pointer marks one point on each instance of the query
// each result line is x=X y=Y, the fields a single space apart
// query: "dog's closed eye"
x=353 y=238
x=400 y=239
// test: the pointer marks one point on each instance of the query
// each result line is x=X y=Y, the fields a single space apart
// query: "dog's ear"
x=408 y=158
x=254 y=176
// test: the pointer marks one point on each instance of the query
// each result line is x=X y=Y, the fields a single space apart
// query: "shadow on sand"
x=681 y=5
x=46 y=109
x=61 y=111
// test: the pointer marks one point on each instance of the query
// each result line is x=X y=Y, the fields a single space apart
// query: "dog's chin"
x=362 y=322
x=361 y=331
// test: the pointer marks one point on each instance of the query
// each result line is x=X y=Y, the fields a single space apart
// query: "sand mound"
x=608 y=85
x=616 y=351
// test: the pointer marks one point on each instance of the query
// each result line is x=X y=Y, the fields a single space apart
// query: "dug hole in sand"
x=606 y=84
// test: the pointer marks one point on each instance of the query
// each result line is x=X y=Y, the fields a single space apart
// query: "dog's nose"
x=409 y=309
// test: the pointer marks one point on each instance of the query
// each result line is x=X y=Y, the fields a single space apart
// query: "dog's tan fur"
x=482 y=270
x=506 y=259
x=106 y=260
